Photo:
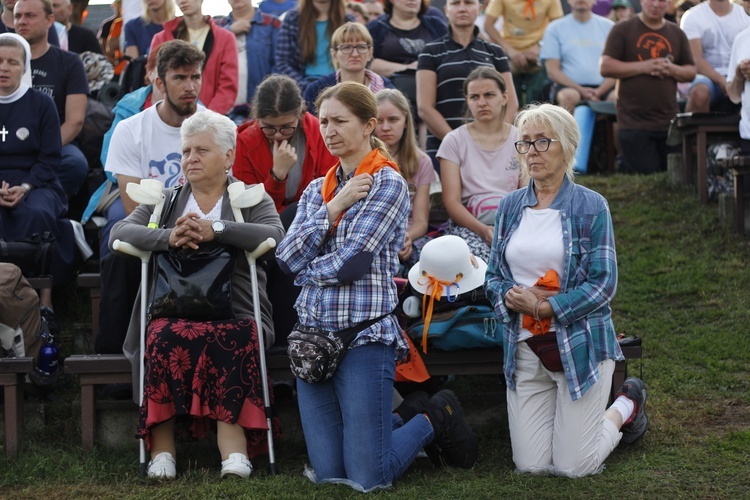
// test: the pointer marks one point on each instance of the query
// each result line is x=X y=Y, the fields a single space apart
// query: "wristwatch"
x=218 y=226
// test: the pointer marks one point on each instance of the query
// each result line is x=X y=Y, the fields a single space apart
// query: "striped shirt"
x=582 y=314
x=347 y=278
x=452 y=63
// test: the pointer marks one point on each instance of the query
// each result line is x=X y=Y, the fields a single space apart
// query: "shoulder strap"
x=167 y=213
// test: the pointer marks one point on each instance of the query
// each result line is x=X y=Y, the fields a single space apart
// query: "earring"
x=226 y=171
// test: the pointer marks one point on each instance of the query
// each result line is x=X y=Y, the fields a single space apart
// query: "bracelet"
x=536 y=310
x=276 y=178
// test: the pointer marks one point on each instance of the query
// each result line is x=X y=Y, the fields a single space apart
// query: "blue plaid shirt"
x=347 y=278
x=583 y=317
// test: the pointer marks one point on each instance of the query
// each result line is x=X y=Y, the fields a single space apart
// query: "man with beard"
x=145 y=146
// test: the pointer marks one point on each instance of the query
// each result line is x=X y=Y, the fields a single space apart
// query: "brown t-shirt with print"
x=646 y=102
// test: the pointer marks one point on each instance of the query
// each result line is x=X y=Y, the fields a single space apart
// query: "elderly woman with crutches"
x=202 y=361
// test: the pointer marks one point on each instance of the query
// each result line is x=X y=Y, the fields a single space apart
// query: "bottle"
x=48 y=360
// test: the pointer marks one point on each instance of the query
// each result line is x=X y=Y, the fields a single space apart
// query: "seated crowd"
x=350 y=116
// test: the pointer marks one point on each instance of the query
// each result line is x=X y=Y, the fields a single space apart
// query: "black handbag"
x=192 y=284
x=32 y=254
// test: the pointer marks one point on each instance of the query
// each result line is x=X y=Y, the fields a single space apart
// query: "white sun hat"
x=447 y=260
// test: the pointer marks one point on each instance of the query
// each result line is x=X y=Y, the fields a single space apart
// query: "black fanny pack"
x=315 y=354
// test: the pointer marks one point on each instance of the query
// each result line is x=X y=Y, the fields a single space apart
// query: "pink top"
x=425 y=174
x=482 y=171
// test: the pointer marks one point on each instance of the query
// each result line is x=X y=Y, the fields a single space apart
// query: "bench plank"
x=97 y=369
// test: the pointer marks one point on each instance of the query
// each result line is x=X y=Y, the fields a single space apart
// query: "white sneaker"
x=236 y=465
x=162 y=466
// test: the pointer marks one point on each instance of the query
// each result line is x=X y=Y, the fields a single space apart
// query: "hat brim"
x=466 y=284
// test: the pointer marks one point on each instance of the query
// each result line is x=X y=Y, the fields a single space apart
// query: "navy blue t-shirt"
x=59 y=73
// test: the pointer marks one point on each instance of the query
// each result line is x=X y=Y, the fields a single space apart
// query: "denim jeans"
x=351 y=434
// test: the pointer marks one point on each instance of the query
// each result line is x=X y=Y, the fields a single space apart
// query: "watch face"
x=217 y=226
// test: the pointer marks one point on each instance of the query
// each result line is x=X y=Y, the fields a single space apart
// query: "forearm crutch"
x=240 y=198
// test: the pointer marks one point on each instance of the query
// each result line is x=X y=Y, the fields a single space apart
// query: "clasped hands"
x=190 y=230
x=11 y=196
x=523 y=300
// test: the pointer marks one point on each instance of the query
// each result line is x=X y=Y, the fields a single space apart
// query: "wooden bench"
x=93 y=282
x=740 y=166
x=97 y=369
x=695 y=129
x=12 y=374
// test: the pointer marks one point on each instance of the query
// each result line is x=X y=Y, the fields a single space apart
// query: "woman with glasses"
x=351 y=50
x=478 y=164
x=282 y=149
x=551 y=277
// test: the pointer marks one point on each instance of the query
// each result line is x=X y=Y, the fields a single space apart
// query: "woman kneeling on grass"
x=343 y=247
x=551 y=277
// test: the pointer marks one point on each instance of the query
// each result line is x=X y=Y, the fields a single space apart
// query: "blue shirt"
x=322 y=64
x=347 y=278
x=578 y=46
x=582 y=314
x=276 y=8
x=139 y=34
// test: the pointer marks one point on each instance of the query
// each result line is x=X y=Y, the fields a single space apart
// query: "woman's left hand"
x=406 y=250
x=521 y=300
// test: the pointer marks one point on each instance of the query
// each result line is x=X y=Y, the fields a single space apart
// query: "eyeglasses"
x=271 y=131
x=541 y=145
x=347 y=49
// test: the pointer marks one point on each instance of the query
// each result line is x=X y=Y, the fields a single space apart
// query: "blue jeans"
x=351 y=434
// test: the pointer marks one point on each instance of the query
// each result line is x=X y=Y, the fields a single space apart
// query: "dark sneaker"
x=412 y=405
x=635 y=427
x=455 y=439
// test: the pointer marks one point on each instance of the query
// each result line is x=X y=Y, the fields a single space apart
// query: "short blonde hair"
x=560 y=125
x=169 y=4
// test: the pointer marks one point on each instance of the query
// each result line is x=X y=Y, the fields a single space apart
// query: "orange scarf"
x=529 y=9
x=374 y=161
x=550 y=281
x=427 y=306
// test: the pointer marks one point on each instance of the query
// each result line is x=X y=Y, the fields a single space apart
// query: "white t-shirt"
x=533 y=249
x=145 y=147
x=715 y=32
x=482 y=170
x=740 y=52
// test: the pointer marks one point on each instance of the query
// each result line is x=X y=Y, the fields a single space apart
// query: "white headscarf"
x=26 y=78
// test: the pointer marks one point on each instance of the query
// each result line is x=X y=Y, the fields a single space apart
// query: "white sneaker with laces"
x=236 y=465
x=162 y=466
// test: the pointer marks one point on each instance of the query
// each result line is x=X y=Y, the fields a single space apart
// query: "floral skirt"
x=477 y=244
x=204 y=371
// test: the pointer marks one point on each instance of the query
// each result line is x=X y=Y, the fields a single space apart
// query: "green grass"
x=683 y=289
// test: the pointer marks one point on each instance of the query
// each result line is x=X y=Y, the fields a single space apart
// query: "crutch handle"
x=264 y=247
x=125 y=247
